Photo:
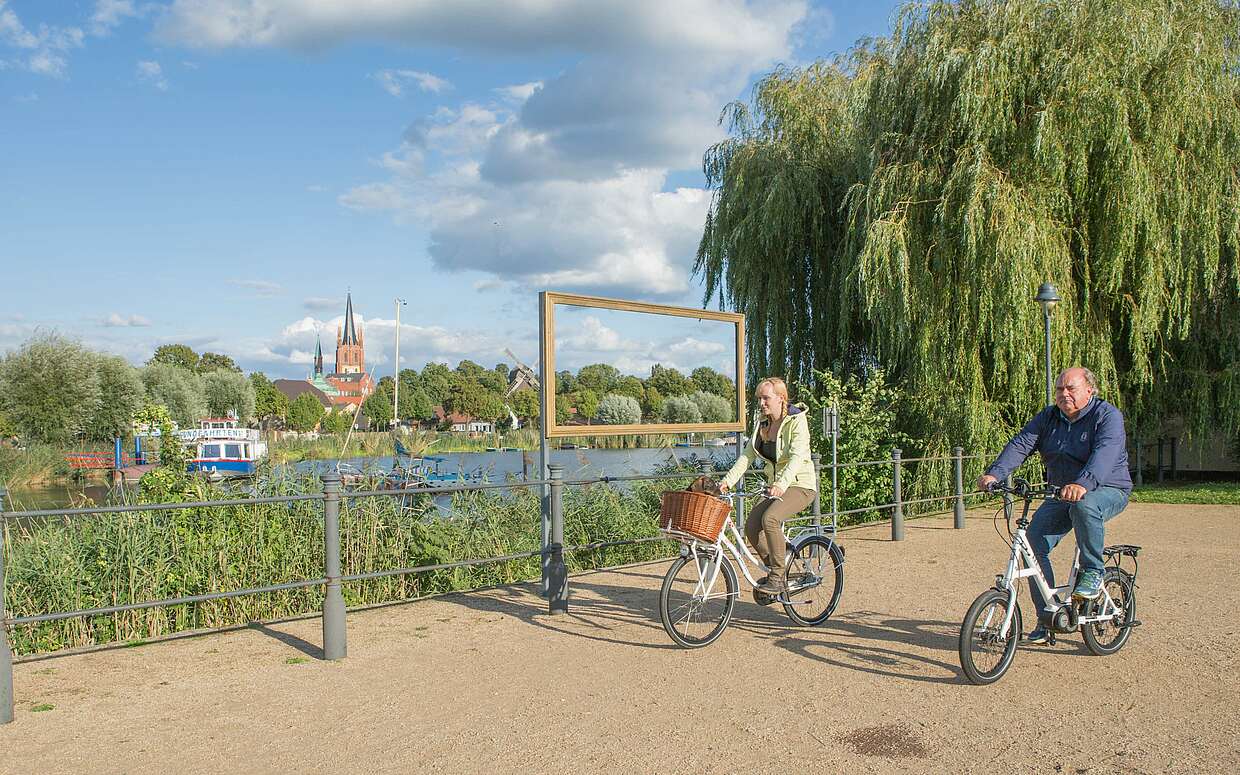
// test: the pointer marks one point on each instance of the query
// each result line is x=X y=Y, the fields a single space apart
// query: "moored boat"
x=219 y=446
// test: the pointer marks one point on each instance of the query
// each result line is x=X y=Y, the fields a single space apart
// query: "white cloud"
x=321 y=303
x=519 y=92
x=109 y=14
x=117 y=320
x=152 y=73
x=260 y=287
x=395 y=81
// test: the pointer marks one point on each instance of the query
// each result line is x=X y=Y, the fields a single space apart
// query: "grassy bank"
x=35 y=465
x=1226 y=493
x=113 y=559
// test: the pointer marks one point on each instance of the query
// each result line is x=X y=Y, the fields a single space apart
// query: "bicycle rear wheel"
x=1103 y=638
x=985 y=655
x=814 y=580
x=694 y=615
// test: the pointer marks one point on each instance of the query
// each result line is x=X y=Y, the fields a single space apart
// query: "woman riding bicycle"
x=781 y=440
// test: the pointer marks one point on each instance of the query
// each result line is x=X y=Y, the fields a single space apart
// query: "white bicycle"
x=992 y=628
x=700 y=588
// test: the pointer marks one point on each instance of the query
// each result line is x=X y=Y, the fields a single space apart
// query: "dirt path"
x=489 y=682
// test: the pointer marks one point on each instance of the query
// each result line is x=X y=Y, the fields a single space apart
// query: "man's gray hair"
x=1090 y=379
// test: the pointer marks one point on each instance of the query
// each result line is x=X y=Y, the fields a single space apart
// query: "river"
x=495 y=466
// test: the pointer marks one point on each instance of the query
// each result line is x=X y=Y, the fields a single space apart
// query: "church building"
x=349 y=385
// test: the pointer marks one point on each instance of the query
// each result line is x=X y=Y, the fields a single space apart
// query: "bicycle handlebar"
x=1022 y=489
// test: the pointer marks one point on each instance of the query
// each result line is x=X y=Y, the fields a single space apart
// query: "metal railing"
x=335 y=645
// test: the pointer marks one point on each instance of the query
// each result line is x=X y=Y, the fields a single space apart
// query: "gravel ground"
x=488 y=681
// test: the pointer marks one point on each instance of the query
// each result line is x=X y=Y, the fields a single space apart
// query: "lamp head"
x=1047 y=296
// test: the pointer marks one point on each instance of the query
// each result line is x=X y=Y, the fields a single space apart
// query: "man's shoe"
x=1038 y=636
x=1088 y=585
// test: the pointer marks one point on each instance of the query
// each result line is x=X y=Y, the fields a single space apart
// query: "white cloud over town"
x=557 y=182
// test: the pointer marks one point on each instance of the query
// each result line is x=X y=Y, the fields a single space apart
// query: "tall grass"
x=35 y=464
x=112 y=559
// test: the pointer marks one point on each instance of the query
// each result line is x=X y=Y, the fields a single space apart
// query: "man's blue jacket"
x=1091 y=450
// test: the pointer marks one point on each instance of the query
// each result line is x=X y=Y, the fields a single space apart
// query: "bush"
x=619 y=410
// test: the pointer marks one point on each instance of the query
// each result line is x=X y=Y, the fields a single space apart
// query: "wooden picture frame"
x=548 y=300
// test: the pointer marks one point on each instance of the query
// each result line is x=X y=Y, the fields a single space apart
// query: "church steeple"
x=350 y=330
x=318 y=356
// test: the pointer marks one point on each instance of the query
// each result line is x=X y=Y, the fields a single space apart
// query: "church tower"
x=350 y=349
x=318 y=356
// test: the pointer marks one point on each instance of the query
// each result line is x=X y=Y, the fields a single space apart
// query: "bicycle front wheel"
x=986 y=655
x=814 y=580
x=1108 y=637
x=696 y=603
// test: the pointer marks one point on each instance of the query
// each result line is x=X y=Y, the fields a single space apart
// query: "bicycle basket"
x=697 y=514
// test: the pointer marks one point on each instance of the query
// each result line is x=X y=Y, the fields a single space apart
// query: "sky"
x=220 y=173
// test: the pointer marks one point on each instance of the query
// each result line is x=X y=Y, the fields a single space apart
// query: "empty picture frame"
x=638 y=340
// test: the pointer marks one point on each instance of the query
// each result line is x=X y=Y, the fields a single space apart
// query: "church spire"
x=318 y=356
x=350 y=330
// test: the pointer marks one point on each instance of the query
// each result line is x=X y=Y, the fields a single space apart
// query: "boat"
x=218 y=446
x=717 y=442
x=687 y=442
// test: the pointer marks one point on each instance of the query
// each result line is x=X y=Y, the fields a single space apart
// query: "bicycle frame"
x=1022 y=564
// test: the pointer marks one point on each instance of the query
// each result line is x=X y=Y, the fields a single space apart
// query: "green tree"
x=631 y=386
x=652 y=404
x=669 y=382
x=470 y=398
x=713 y=408
x=616 y=409
x=565 y=382
x=305 y=412
x=121 y=397
x=49 y=388
x=336 y=421
x=436 y=381
x=415 y=404
x=526 y=404
x=209 y=362
x=681 y=409
x=921 y=188
x=228 y=391
x=711 y=381
x=268 y=400
x=178 y=389
x=469 y=369
x=378 y=408
x=586 y=402
x=599 y=377
x=180 y=355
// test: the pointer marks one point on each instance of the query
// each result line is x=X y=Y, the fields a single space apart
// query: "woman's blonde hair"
x=777 y=385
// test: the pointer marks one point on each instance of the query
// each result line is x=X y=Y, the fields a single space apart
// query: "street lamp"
x=1048 y=297
x=396 y=376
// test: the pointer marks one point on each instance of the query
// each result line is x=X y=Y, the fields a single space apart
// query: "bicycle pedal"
x=1130 y=625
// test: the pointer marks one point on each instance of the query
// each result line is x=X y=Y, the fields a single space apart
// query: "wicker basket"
x=697 y=514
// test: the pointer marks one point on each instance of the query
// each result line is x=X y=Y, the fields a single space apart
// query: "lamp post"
x=1048 y=297
x=396 y=375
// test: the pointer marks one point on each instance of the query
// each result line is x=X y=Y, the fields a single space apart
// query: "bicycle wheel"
x=1103 y=638
x=984 y=654
x=694 y=616
x=815 y=580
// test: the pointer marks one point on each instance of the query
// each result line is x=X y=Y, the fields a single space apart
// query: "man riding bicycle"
x=1083 y=445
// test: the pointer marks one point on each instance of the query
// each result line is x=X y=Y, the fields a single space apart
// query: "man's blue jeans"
x=1052 y=521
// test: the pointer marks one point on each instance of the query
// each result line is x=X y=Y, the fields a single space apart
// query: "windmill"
x=523 y=376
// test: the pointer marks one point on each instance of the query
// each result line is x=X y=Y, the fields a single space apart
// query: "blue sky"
x=219 y=172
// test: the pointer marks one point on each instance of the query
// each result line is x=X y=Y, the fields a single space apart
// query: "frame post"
x=1158 y=477
x=6 y=654
x=958 y=464
x=1175 y=467
x=817 y=509
x=897 y=513
x=557 y=578
x=334 y=644
x=545 y=326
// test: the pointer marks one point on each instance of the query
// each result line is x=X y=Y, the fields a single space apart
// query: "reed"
x=66 y=564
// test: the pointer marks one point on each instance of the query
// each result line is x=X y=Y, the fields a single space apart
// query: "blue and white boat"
x=217 y=445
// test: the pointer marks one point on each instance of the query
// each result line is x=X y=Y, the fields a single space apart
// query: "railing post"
x=557 y=573
x=334 y=644
x=958 y=464
x=1140 y=466
x=817 y=511
x=1158 y=476
x=6 y=654
x=897 y=513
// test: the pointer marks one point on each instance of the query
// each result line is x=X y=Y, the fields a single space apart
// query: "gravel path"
x=489 y=682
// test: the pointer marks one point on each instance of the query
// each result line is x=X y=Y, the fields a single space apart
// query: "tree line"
x=54 y=390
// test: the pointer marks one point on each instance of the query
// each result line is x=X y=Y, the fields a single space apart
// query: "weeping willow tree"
x=902 y=204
